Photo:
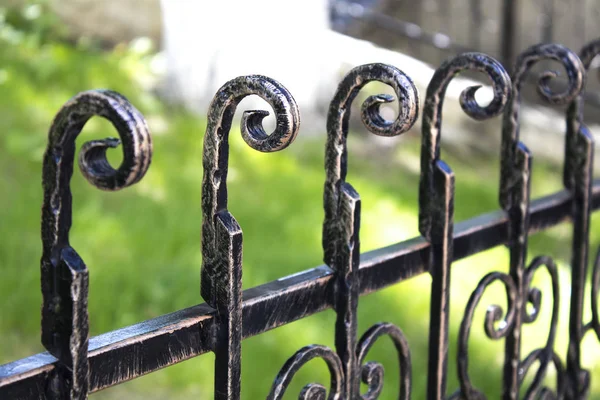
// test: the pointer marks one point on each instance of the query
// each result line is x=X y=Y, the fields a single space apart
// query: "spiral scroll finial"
x=60 y=153
x=432 y=116
x=64 y=276
x=510 y=128
x=216 y=151
x=336 y=152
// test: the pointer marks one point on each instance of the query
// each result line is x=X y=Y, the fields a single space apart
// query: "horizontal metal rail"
x=130 y=352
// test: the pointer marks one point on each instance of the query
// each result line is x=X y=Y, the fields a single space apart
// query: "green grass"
x=142 y=245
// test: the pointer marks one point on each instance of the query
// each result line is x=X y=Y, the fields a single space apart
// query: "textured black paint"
x=515 y=184
x=221 y=276
x=64 y=276
x=71 y=369
x=341 y=243
x=578 y=171
x=436 y=196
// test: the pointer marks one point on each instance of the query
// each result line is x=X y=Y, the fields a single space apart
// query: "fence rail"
x=75 y=366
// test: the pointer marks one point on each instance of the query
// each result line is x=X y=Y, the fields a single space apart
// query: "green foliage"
x=142 y=245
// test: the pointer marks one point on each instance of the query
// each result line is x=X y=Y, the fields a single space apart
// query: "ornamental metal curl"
x=515 y=192
x=312 y=391
x=495 y=327
x=216 y=153
x=342 y=204
x=536 y=390
x=372 y=372
x=436 y=195
x=432 y=116
x=546 y=354
x=341 y=226
x=64 y=276
x=221 y=275
x=336 y=151
x=510 y=129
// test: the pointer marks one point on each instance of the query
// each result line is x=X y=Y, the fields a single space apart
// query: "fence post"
x=64 y=275
x=221 y=275
x=578 y=174
x=436 y=197
x=515 y=182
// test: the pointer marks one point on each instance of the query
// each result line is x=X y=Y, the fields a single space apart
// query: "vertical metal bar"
x=228 y=345
x=65 y=327
x=577 y=178
x=436 y=194
x=580 y=157
x=342 y=209
x=518 y=215
x=221 y=274
x=64 y=276
x=347 y=290
x=510 y=24
x=515 y=173
x=440 y=260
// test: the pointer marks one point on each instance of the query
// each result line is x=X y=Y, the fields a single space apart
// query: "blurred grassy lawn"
x=142 y=245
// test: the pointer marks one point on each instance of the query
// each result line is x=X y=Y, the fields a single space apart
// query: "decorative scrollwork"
x=495 y=327
x=221 y=275
x=574 y=68
x=60 y=154
x=436 y=194
x=545 y=354
x=64 y=276
x=432 y=116
x=312 y=391
x=336 y=152
x=536 y=390
x=372 y=372
x=216 y=152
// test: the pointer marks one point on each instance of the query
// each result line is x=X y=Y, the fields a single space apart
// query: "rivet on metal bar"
x=221 y=276
x=578 y=174
x=64 y=276
x=515 y=182
x=436 y=195
x=341 y=237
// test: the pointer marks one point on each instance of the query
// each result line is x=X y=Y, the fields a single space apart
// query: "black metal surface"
x=64 y=276
x=341 y=244
x=172 y=338
x=436 y=195
x=71 y=368
x=578 y=172
x=221 y=276
x=515 y=182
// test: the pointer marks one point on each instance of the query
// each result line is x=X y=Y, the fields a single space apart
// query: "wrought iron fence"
x=74 y=366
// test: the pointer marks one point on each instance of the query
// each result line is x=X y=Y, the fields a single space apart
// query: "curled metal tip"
x=471 y=107
x=372 y=118
x=574 y=67
x=257 y=138
x=215 y=156
x=432 y=118
x=130 y=124
x=404 y=89
x=338 y=117
x=134 y=137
